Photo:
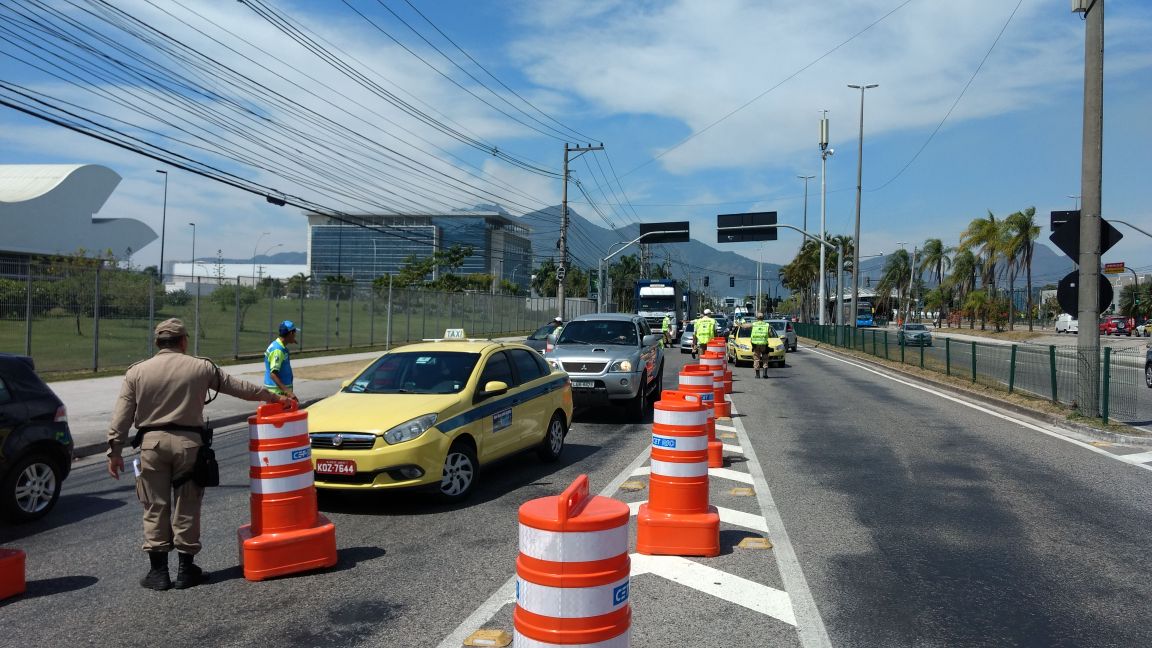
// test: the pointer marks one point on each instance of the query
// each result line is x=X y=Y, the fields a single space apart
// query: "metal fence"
x=1047 y=371
x=90 y=316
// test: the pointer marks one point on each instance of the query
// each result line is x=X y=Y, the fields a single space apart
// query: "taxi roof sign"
x=454 y=334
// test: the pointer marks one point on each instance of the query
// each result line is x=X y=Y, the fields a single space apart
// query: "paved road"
x=898 y=518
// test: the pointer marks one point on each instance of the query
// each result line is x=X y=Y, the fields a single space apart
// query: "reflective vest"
x=667 y=323
x=705 y=330
x=761 y=331
x=276 y=359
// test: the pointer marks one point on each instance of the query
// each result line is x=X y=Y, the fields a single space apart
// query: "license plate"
x=335 y=467
x=584 y=384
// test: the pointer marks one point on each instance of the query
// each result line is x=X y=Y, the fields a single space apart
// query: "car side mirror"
x=652 y=340
x=345 y=384
x=494 y=388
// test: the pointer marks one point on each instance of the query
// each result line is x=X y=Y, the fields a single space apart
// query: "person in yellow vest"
x=761 y=331
x=666 y=329
x=705 y=330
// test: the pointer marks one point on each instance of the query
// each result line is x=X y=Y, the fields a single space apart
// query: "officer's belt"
x=141 y=431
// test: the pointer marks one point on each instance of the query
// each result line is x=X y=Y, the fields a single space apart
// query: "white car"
x=1065 y=323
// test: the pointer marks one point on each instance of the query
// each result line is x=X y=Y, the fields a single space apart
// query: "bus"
x=865 y=313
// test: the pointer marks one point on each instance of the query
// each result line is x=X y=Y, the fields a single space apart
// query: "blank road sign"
x=671 y=232
x=740 y=228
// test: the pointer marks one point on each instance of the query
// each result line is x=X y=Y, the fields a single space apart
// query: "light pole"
x=163 y=224
x=806 y=179
x=193 y=250
x=859 y=180
x=270 y=248
x=258 y=239
x=1076 y=198
x=825 y=153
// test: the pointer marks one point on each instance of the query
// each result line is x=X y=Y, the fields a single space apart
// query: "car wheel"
x=1148 y=374
x=459 y=477
x=30 y=489
x=553 y=443
x=639 y=404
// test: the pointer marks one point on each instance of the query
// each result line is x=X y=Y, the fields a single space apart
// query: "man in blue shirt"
x=277 y=364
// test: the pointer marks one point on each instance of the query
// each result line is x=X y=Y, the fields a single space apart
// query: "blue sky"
x=658 y=83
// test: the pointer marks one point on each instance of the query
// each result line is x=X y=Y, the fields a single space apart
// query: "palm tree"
x=976 y=304
x=963 y=277
x=934 y=257
x=801 y=274
x=897 y=269
x=847 y=247
x=985 y=234
x=1021 y=234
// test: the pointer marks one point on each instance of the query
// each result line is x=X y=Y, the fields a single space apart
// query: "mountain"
x=1048 y=267
x=588 y=243
x=280 y=258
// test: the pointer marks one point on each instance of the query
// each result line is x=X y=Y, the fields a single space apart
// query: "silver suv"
x=785 y=331
x=611 y=358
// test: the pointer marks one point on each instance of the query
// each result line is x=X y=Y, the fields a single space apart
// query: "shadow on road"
x=69 y=509
x=47 y=586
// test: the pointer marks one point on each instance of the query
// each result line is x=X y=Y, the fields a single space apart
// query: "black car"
x=35 y=442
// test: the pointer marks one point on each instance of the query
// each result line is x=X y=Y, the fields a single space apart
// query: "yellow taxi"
x=740 y=347
x=430 y=414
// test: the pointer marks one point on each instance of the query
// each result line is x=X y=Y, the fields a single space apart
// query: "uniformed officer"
x=759 y=335
x=278 y=363
x=164 y=397
x=666 y=328
x=704 y=332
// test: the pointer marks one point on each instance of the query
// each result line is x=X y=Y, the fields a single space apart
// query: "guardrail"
x=1047 y=371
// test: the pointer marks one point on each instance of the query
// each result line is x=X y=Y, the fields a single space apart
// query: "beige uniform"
x=169 y=389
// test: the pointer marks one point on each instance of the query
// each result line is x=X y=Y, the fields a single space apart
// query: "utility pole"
x=825 y=153
x=1088 y=338
x=562 y=271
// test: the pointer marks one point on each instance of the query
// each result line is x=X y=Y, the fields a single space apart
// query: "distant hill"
x=1048 y=267
x=280 y=258
x=588 y=243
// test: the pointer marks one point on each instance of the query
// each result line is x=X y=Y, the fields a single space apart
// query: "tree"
x=985 y=234
x=934 y=257
x=896 y=276
x=298 y=285
x=963 y=277
x=1136 y=301
x=977 y=305
x=1020 y=233
x=544 y=279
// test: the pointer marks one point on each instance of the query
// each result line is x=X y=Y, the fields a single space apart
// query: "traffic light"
x=731 y=282
x=705 y=281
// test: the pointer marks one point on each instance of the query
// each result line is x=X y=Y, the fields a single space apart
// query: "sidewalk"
x=90 y=401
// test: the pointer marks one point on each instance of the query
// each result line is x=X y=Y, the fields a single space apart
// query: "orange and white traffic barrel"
x=716 y=362
x=12 y=573
x=287 y=534
x=719 y=345
x=677 y=518
x=572 y=583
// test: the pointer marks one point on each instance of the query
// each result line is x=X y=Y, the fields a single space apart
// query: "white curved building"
x=49 y=209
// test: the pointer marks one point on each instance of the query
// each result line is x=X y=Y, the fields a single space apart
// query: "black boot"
x=757 y=373
x=188 y=574
x=157 y=577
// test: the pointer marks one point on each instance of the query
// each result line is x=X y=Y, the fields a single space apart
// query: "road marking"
x=1022 y=423
x=725 y=428
x=733 y=448
x=809 y=624
x=1138 y=458
x=729 y=587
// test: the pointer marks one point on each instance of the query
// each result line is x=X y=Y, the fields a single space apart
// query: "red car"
x=1117 y=325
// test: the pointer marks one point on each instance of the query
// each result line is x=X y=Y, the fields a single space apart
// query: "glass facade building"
x=364 y=247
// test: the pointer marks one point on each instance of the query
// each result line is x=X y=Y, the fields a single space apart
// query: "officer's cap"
x=287 y=326
x=707 y=311
x=171 y=329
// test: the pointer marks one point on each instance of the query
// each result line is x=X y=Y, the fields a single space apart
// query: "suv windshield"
x=416 y=372
x=599 y=332
x=915 y=327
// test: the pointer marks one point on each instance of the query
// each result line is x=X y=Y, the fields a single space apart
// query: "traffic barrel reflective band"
x=677 y=469
x=572 y=574
x=288 y=456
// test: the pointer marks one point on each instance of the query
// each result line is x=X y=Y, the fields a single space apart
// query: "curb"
x=89 y=449
x=1083 y=430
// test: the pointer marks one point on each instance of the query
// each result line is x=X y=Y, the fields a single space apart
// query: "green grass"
x=59 y=347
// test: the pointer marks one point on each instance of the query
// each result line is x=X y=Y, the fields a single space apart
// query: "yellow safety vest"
x=761 y=331
x=705 y=330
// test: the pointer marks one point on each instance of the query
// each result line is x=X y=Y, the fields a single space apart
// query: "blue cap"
x=287 y=326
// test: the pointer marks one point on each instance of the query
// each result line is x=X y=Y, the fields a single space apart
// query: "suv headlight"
x=554 y=362
x=410 y=429
x=624 y=366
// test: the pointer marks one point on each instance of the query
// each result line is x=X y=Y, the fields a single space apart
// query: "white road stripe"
x=1138 y=458
x=733 y=448
x=724 y=428
x=809 y=624
x=990 y=412
x=734 y=589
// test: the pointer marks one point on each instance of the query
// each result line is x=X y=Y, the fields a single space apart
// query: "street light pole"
x=163 y=224
x=1076 y=198
x=193 y=250
x=825 y=153
x=859 y=182
x=258 y=239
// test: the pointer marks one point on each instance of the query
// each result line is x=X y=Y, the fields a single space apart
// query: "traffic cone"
x=12 y=578
x=572 y=572
x=677 y=519
x=287 y=534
